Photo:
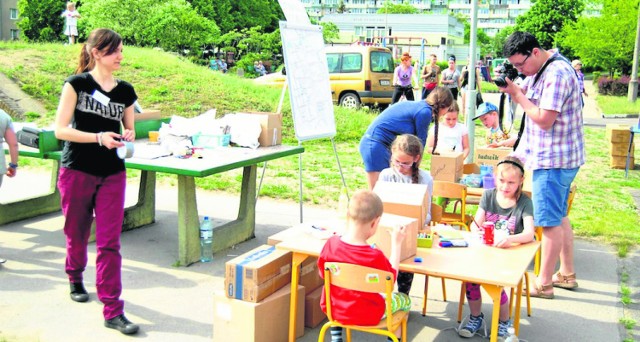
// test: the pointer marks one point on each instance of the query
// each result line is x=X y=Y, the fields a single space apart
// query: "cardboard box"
x=617 y=133
x=410 y=200
x=447 y=166
x=150 y=114
x=621 y=149
x=313 y=314
x=266 y=321
x=258 y=273
x=490 y=156
x=271 y=124
x=309 y=275
x=619 y=162
x=382 y=238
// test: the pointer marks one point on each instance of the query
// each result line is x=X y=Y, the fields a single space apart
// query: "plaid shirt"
x=561 y=146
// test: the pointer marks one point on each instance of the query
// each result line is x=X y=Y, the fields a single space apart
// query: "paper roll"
x=125 y=151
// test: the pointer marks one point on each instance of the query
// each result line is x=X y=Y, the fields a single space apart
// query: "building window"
x=13 y=13
x=14 y=34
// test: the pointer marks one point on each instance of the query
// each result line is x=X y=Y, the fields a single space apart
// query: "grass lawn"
x=603 y=209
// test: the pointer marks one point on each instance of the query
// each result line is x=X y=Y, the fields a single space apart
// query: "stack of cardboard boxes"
x=255 y=303
x=618 y=137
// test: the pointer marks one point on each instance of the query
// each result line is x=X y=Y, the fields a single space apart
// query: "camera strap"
x=535 y=80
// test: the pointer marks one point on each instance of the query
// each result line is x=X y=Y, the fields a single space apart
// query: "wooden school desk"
x=493 y=268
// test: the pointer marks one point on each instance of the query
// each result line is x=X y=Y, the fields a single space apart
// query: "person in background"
x=488 y=114
x=453 y=136
x=93 y=106
x=355 y=307
x=505 y=205
x=410 y=117
x=451 y=77
x=406 y=155
x=577 y=65
x=402 y=77
x=222 y=65
x=464 y=84
x=9 y=136
x=430 y=76
x=71 y=16
x=553 y=146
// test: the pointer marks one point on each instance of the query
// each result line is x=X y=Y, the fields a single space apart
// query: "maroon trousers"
x=82 y=195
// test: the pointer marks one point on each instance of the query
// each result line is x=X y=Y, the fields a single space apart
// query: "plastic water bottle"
x=206 y=240
x=512 y=335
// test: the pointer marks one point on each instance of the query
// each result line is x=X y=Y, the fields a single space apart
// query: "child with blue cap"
x=488 y=113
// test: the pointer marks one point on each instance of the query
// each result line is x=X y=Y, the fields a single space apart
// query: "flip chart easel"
x=309 y=88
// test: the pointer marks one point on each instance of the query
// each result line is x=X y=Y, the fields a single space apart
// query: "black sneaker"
x=78 y=293
x=122 y=324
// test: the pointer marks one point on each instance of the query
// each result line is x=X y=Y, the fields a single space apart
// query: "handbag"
x=29 y=136
x=479 y=99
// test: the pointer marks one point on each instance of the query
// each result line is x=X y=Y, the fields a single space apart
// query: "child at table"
x=406 y=155
x=505 y=204
x=451 y=136
x=488 y=115
x=354 y=307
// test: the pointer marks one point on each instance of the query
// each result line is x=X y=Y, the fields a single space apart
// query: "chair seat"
x=397 y=319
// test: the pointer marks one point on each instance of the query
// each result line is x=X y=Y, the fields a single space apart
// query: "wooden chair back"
x=449 y=190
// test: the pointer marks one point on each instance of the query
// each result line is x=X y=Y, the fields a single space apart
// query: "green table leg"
x=143 y=212
x=34 y=206
x=243 y=227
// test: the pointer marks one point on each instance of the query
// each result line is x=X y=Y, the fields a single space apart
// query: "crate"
x=211 y=140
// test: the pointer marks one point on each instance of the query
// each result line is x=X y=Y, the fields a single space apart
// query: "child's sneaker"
x=503 y=329
x=473 y=325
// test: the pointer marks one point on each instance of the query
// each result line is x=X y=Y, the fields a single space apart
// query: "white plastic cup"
x=126 y=150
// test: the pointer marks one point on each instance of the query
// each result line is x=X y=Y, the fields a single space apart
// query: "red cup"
x=488 y=228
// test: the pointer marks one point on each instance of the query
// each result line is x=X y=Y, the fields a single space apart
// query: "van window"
x=333 y=62
x=351 y=62
x=381 y=61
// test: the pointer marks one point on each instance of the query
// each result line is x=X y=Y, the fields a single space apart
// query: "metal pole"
x=633 y=83
x=471 y=91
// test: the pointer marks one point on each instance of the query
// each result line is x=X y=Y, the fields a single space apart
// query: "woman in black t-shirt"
x=92 y=108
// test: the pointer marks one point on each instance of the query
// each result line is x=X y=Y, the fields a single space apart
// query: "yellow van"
x=358 y=75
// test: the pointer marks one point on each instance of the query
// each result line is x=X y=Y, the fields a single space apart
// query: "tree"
x=497 y=44
x=171 y=24
x=483 y=41
x=403 y=8
x=547 y=17
x=341 y=7
x=330 y=31
x=239 y=14
x=40 y=20
x=605 y=42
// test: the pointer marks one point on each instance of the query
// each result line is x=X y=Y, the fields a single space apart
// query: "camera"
x=507 y=71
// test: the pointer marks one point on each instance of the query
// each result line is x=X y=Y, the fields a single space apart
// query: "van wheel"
x=350 y=100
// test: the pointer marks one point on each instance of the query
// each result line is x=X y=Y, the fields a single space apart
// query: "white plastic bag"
x=244 y=131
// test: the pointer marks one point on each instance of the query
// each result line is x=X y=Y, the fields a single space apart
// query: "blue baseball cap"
x=485 y=108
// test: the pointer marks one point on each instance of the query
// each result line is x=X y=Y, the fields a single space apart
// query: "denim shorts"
x=550 y=193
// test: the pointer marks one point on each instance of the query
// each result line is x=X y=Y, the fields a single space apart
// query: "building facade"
x=8 y=20
x=493 y=15
x=418 y=34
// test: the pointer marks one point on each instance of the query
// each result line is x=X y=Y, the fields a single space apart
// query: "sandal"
x=538 y=291
x=564 y=281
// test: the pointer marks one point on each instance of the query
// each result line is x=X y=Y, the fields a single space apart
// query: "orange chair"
x=457 y=192
x=366 y=279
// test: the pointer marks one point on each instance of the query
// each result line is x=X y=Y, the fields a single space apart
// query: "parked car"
x=358 y=75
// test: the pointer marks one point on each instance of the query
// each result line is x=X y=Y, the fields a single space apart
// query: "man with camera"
x=552 y=144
